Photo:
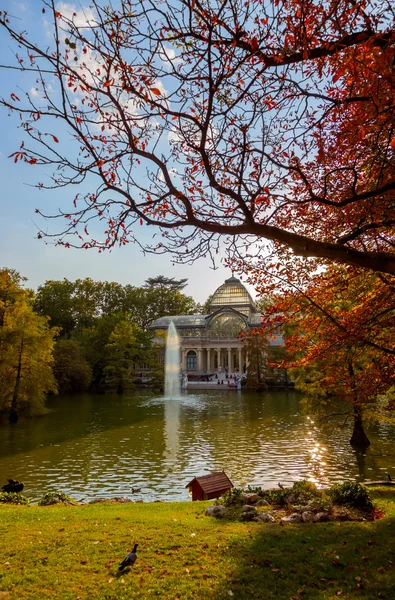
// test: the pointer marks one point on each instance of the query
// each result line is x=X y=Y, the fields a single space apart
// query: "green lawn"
x=73 y=552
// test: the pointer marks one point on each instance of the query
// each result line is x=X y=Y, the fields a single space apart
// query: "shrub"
x=232 y=498
x=56 y=498
x=351 y=493
x=13 y=498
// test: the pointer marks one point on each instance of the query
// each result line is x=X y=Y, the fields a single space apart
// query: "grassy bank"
x=73 y=553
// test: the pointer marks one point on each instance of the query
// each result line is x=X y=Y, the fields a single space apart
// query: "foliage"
x=211 y=131
x=128 y=346
x=256 y=348
x=351 y=493
x=26 y=352
x=78 y=305
x=13 y=498
x=162 y=282
x=56 y=497
x=260 y=561
x=71 y=370
x=338 y=327
x=232 y=497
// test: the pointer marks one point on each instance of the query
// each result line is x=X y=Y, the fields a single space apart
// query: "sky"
x=19 y=247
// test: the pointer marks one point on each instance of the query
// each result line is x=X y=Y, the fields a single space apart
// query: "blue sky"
x=19 y=247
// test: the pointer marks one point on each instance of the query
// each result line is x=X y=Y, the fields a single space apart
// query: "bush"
x=351 y=493
x=13 y=498
x=232 y=498
x=56 y=498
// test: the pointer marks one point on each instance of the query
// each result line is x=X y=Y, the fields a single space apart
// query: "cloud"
x=81 y=17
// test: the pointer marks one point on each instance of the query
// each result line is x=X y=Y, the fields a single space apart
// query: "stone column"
x=230 y=360
x=199 y=359
x=208 y=359
x=240 y=361
x=218 y=357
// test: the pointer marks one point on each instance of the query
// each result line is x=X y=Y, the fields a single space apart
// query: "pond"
x=103 y=445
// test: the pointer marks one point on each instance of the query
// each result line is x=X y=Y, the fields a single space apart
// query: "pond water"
x=103 y=445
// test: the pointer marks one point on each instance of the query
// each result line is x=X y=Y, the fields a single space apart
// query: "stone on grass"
x=266 y=518
x=216 y=511
x=250 y=498
x=294 y=518
x=263 y=502
x=308 y=516
x=321 y=517
x=248 y=508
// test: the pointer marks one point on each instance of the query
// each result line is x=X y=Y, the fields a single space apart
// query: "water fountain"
x=172 y=364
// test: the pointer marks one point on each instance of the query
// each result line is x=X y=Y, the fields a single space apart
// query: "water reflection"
x=92 y=446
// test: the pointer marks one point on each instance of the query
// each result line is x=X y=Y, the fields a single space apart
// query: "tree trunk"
x=13 y=416
x=359 y=439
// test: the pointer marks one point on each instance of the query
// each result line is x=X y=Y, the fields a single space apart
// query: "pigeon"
x=280 y=485
x=13 y=486
x=389 y=478
x=129 y=560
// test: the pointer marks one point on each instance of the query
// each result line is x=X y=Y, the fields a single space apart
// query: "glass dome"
x=232 y=293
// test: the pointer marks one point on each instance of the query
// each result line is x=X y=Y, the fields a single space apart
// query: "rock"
x=306 y=508
x=216 y=511
x=115 y=499
x=321 y=517
x=266 y=518
x=294 y=518
x=263 y=502
x=251 y=498
x=248 y=516
x=247 y=508
x=308 y=516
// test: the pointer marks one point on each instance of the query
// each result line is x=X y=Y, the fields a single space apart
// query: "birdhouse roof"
x=213 y=482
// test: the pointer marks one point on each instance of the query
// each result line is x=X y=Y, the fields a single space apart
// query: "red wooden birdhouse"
x=209 y=486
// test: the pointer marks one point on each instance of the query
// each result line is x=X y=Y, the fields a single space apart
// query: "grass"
x=67 y=552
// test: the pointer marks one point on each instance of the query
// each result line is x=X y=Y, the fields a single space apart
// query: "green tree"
x=162 y=282
x=94 y=341
x=54 y=299
x=256 y=348
x=26 y=351
x=127 y=345
x=71 y=369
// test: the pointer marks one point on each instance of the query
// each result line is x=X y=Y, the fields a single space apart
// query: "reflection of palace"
x=212 y=341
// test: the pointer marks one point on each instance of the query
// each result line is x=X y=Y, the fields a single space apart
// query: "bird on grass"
x=280 y=485
x=130 y=559
x=13 y=486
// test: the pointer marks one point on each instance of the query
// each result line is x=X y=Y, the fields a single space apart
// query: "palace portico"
x=213 y=340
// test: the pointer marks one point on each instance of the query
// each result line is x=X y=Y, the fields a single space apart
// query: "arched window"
x=226 y=325
x=191 y=360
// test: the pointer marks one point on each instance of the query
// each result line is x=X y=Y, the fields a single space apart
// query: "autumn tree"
x=339 y=338
x=26 y=351
x=267 y=125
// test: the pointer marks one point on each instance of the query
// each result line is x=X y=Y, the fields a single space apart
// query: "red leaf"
x=392 y=144
x=55 y=139
x=155 y=91
x=57 y=14
x=32 y=161
x=141 y=221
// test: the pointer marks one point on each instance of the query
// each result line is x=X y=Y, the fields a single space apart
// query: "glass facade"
x=226 y=325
